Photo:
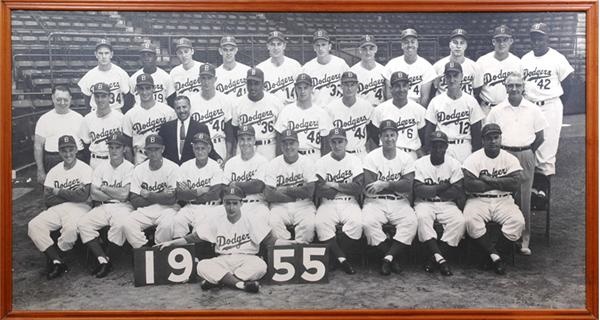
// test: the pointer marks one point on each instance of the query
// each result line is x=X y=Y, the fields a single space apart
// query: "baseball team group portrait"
x=223 y=160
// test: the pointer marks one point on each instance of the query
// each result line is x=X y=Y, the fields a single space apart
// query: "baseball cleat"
x=445 y=268
x=525 y=251
x=499 y=267
x=429 y=266
x=347 y=267
x=251 y=286
x=386 y=267
x=396 y=268
x=57 y=270
x=104 y=270
x=205 y=285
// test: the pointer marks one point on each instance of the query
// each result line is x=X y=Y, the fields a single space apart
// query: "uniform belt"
x=456 y=141
x=309 y=151
x=263 y=142
x=95 y=156
x=434 y=200
x=110 y=202
x=406 y=149
x=250 y=200
x=516 y=148
x=342 y=198
x=386 y=197
x=210 y=203
x=489 y=104
x=491 y=195
x=216 y=140
x=543 y=102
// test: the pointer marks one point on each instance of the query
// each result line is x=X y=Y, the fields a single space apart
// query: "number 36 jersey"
x=261 y=115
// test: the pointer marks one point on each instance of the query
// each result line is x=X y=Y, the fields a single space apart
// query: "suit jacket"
x=168 y=131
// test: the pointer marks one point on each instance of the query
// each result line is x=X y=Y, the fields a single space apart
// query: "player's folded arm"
x=473 y=184
x=80 y=194
x=164 y=197
x=510 y=182
x=138 y=201
x=253 y=186
x=454 y=192
x=117 y=193
x=322 y=190
x=353 y=188
x=213 y=193
x=50 y=199
x=305 y=191
x=404 y=185
x=97 y=194
x=425 y=191
x=274 y=195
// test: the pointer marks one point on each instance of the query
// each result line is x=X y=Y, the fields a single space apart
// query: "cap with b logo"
x=337 y=133
x=148 y=46
x=104 y=42
x=367 y=40
x=490 y=128
x=398 y=76
x=303 y=78
x=289 y=134
x=452 y=66
x=101 y=87
x=232 y=193
x=409 y=33
x=458 y=33
x=388 y=125
x=539 y=28
x=207 y=69
x=228 y=41
x=246 y=130
x=183 y=43
x=439 y=136
x=502 y=31
x=276 y=35
x=144 y=78
x=116 y=138
x=255 y=74
x=349 y=76
x=320 y=35
x=66 y=141
x=154 y=140
x=203 y=137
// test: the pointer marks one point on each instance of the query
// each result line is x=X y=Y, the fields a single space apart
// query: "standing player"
x=409 y=116
x=311 y=123
x=110 y=189
x=97 y=127
x=547 y=74
x=522 y=123
x=66 y=191
x=144 y=118
x=259 y=110
x=109 y=73
x=438 y=185
x=231 y=75
x=388 y=188
x=339 y=186
x=185 y=76
x=491 y=174
x=164 y=90
x=456 y=114
x=199 y=183
x=420 y=72
x=494 y=67
x=325 y=69
x=280 y=71
x=370 y=74
x=289 y=188
x=470 y=78
x=352 y=114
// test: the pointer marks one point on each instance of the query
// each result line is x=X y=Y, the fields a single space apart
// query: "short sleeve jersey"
x=410 y=119
x=310 y=124
x=518 y=124
x=209 y=175
x=279 y=80
x=214 y=113
x=107 y=175
x=95 y=131
x=238 y=170
x=492 y=74
x=340 y=171
x=543 y=74
x=470 y=78
x=504 y=164
x=370 y=82
x=186 y=82
x=232 y=82
x=261 y=115
x=326 y=79
x=454 y=117
x=59 y=178
x=353 y=120
x=419 y=73
x=117 y=80
x=163 y=85
x=139 y=123
x=154 y=180
x=70 y=124
x=283 y=174
x=388 y=169
x=429 y=174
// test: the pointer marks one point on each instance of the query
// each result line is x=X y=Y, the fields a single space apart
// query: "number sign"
x=298 y=263
x=167 y=266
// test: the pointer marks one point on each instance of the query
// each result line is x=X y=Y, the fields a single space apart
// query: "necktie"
x=181 y=138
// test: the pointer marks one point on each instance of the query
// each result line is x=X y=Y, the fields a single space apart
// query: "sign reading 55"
x=298 y=263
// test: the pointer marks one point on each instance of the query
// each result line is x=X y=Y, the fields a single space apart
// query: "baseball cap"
x=246 y=130
x=101 y=87
x=539 y=28
x=275 y=35
x=117 y=138
x=366 y=40
x=320 y=35
x=388 y=125
x=289 y=134
x=398 y=76
x=337 y=133
x=66 y=141
x=439 y=136
x=255 y=74
x=452 y=66
x=201 y=137
x=349 y=76
x=207 y=68
x=228 y=40
x=144 y=78
x=104 y=42
x=148 y=46
x=458 y=33
x=409 y=33
x=303 y=78
x=183 y=42
x=502 y=31
x=154 y=140
x=232 y=192
x=490 y=128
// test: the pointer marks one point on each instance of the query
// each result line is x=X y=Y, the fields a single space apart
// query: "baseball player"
x=237 y=237
x=214 y=109
x=438 y=184
x=109 y=73
x=470 y=78
x=185 y=76
x=280 y=71
x=144 y=118
x=164 y=89
x=66 y=191
x=456 y=114
x=152 y=194
x=389 y=175
x=339 y=186
x=110 y=189
x=289 y=188
x=231 y=75
x=259 y=110
x=370 y=73
x=523 y=124
x=409 y=116
x=199 y=183
x=494 y=67
x=352 y=114
x=98 y=126
x=310 y=122
x=45 y=145
x=420 y=72
x=325 y=69
x=547 y=74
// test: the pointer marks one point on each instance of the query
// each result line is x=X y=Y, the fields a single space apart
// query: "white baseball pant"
x=62 y=216
x=142 y=218
x=546 y=154
x=256 y=208
x=300 y=214
x=343 y=210
x=460 y=149
x=244 y=266
x=398 y=212
x=191 y=215
x=108 y=214
x=504 y=211
x=447 y=214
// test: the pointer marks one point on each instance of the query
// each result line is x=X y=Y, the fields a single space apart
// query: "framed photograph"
x=51 y=44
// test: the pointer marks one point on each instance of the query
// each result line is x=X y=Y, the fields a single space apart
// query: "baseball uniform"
x=240 y=170
x=371 y=83
x=492 y=74
x=279 y=80
x=163 y=85
x=326 y=79
x=95 y=131
x=419 y=73
x=117 y=80
x=470 y=75
x=354 y=120
x=214 y=113
x=186 y=82
x=310 y=124
x=232 y=82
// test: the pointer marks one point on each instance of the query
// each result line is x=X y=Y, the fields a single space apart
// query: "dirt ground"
x=553 y=277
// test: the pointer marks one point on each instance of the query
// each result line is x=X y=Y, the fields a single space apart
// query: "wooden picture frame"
x=589 y=7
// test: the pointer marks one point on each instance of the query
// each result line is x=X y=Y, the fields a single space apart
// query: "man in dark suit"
x=177 y=134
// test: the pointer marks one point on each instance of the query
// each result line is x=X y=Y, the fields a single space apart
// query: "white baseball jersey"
x=163 y=85
x=326 y=79
x=95 y=131
x=232 y=82
x=389 y=170
x=106 y=175
x=469 y=81
x=544 y=74
x=449 y=171
x=454 y=117
x=186 y=82
x=279 y=80
x=492 y=74
x=59 y=178
x=238 y=170
x=139 y=123
x=46 y=127
x=311 y=124
x=214 y=113
x=371 y=83
x=154 y=181
x=209 y=175
x=503 y=165
x=340 y=171
x=283 y=174
x=410 y=118
x=518 y=124
x=419 y=72
x=117 y=80
x=261 y=115
x=353 y=120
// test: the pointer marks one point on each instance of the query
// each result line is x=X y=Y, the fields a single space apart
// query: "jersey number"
x=267 y=127
x=464 y=127
x=314 y=138
x=219 y=125
x=360 y=133
x=543 y=84
x=335 y=91
x=111 y=98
